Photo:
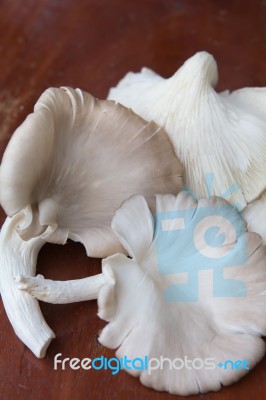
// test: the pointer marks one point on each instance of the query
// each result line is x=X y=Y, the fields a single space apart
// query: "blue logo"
x=207 y=236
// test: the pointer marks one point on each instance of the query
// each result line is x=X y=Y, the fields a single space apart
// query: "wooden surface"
x=92 y=44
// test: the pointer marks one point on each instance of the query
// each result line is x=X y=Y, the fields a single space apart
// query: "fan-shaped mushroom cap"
x=65 y=171
x=222 y=134
x=195 y=288
x=75 y=160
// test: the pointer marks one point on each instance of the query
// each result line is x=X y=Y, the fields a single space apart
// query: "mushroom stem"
x=61 y=292
x=19 y=257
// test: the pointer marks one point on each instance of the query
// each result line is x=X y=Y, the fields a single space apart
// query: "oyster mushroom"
x=218 y=134
x=65 y=171
x=194 y=289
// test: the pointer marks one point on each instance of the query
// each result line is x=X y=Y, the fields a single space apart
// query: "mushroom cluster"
x=96 y=172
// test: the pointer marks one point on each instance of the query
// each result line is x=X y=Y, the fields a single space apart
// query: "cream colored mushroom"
x=194 y=289
x=218 y=135
x=65 y=171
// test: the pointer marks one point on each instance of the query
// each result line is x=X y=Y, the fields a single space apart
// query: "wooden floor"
x=91 y=44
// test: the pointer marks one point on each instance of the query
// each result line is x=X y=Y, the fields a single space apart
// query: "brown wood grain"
x=92 y=44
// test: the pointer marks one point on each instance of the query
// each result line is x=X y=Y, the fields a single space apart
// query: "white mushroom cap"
x=164 y=302
x=219 y=134
x=75 y=160
x=65 y=171
x=194 y=291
